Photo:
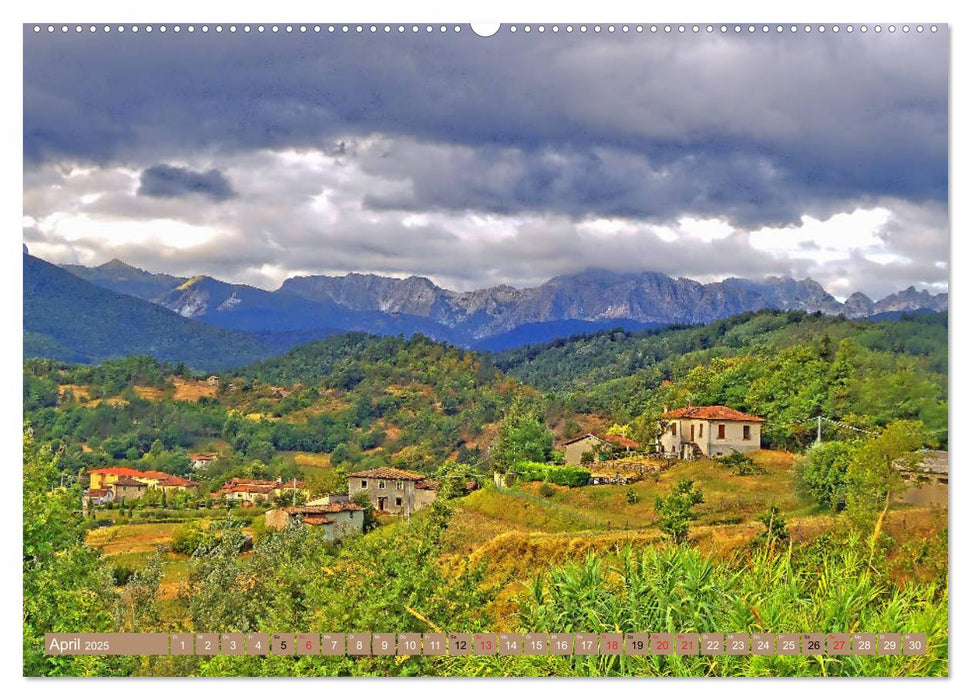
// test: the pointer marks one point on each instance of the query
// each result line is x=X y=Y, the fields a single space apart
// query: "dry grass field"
x=192 y=390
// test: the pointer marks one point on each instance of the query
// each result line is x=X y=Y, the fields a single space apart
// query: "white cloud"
x=305 y=212
x=824 y=241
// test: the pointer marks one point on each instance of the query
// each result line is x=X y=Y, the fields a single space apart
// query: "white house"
x=710 y=431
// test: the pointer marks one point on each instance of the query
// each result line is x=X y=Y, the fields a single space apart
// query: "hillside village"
x=684 y=434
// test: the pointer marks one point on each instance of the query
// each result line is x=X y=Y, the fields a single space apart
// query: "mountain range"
x=416 y=304
x=89 y=313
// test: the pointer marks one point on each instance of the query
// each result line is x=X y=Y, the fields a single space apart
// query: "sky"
x=482 y=161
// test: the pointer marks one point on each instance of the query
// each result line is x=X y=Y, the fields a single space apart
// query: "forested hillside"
x=363 y=401
x=73 y=320
x=785 y=366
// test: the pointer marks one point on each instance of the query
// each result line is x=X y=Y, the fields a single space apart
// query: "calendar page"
x=451 y=350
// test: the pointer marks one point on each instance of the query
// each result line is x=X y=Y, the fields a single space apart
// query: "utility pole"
x=819 y=429
x=294 y=490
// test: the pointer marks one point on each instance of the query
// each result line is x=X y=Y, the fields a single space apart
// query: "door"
x=381 y=501
x=692 y=432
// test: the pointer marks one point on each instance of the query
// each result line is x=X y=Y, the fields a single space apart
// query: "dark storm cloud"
x=759 y=129
x=171 y=181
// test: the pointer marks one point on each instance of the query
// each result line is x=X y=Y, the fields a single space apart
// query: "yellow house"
x=105 y=477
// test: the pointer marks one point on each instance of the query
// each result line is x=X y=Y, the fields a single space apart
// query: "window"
x=721 y=431
x=363 y=483
x=674 y=428
x=746 y=432
x=400 y=485
x=397 y=502
x=381 y=485
x=701 y=430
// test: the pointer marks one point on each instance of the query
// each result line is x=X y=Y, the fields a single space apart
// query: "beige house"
x=574 y=449
x=392 y=490
x=339 y=520
x=709 y=431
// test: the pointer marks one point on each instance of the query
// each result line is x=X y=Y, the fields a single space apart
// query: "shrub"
x=674 y=510
x=546 y=490
x=822 y=472
x=188 y=538
x=632 y=497
x=740 y=464
x=122 y=573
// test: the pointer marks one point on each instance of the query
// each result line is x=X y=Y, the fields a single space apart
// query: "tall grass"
x=678 y=589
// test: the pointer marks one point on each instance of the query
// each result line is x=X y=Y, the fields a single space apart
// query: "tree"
x=874 y=474
x=523 y=437
x=674 y=511
x=370 y=519
x=66 y=588
x=822 y=472
x=646 y=428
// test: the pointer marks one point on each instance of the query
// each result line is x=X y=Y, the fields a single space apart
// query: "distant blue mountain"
x=495 y=318
x=531 y=333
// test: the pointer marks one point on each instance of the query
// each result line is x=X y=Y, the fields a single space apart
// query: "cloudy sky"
x=478 y=161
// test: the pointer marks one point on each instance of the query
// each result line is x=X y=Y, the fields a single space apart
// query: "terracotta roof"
x=115 y=471
x=388 y=473
x=711 y=413
x=97 y=493
x=232 y=483
x=317 y=520
x=124 y=481
x=244 y=488
x=201 y=458
x=327 y=508
x=178 y=481
x=152 y=475
x=251 y=482
x=427 y=485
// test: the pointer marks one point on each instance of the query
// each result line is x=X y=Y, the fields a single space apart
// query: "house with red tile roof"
x=339 y=520
x=394 y=491
x=201 y=461
x=575 y=449
x=253 y=491
x=107 y=477
x=709 y=431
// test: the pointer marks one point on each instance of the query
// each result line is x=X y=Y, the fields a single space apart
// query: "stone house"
x=709 y=431
x=926 y=480
x=339 y=520
x=614 y=445
x=394 y=491
x=126 y=489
